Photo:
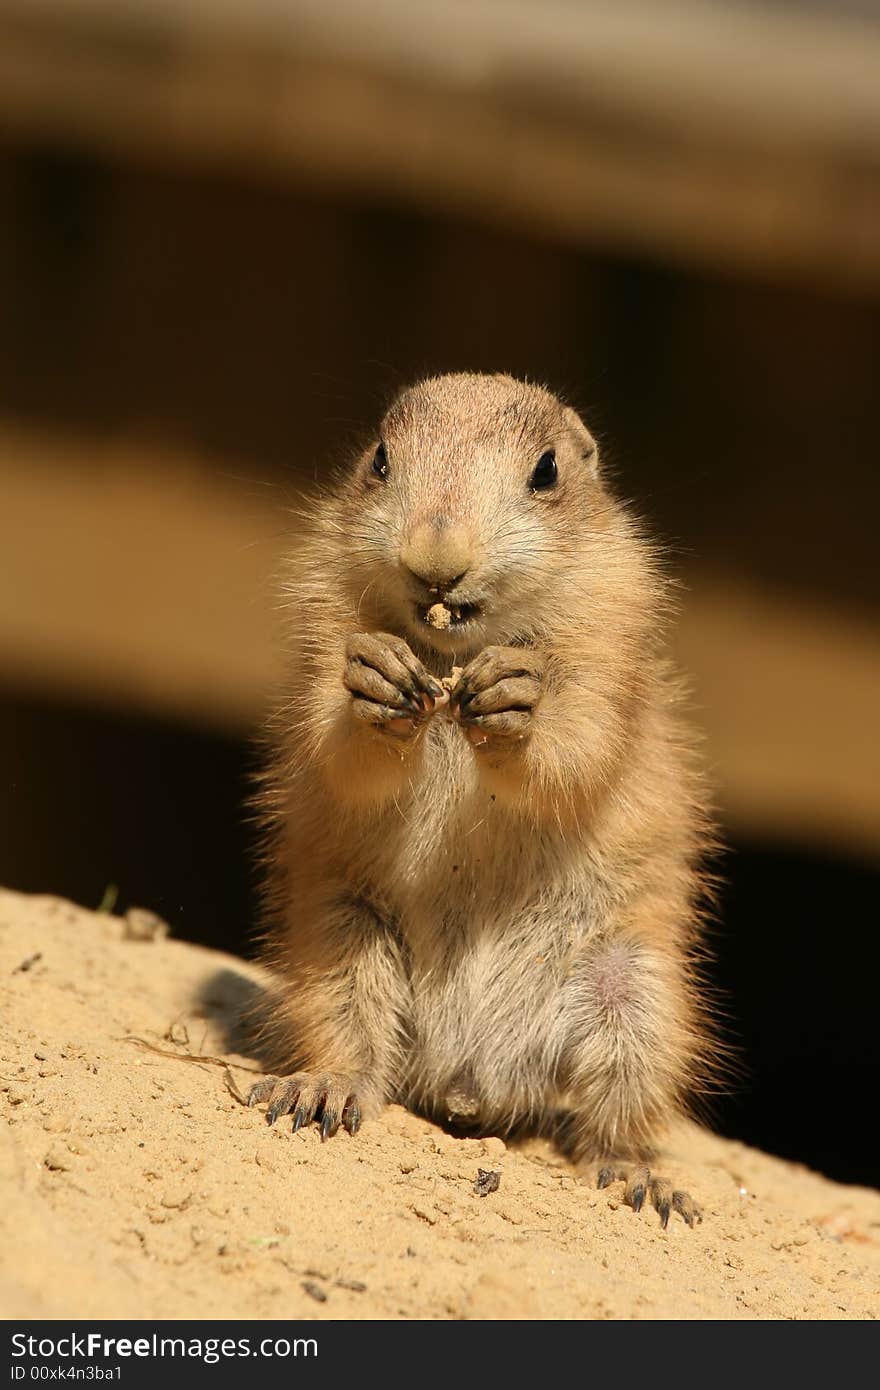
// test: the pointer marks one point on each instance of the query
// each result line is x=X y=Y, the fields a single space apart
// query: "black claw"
x=273 y=1112
x=351 y=1117
x=664 y=1214
x=605 y=1178
x=299 y=1118
x=329 y=1125
x=637 y=1201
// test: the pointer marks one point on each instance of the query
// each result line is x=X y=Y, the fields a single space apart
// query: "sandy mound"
x=134 y=1185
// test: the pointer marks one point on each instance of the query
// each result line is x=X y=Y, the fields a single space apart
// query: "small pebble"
x=486 y=1182
x=143 y=925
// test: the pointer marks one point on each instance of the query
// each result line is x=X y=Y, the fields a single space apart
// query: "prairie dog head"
x=477 y=495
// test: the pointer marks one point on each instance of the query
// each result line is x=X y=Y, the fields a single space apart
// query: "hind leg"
x=627 y=1060
x=338 y=1022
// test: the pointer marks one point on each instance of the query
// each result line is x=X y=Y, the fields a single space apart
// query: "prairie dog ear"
x=587 y=443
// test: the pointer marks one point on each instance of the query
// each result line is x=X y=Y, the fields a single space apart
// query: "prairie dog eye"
x=545 y=473
x=380 y=462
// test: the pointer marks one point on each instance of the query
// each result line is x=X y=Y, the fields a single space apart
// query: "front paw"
x=496 y=695
x=390 y=689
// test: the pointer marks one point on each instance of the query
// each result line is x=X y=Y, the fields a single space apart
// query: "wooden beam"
x=744 y=137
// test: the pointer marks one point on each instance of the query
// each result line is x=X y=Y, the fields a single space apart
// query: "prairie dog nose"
x=439 y=553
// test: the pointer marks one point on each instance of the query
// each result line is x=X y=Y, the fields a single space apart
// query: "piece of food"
x=449 y=683
x=439 y=615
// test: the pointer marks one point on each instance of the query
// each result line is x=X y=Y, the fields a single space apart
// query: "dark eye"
x=545 y=472
x=380 y=462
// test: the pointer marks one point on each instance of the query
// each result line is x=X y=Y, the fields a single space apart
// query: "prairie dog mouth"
x=443 y=616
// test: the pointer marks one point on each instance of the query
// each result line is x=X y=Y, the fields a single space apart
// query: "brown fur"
x=493 y=915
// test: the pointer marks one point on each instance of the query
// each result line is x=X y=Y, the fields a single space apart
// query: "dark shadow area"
x=235 y=1004
x=95 y=800
x=158 y=810
x=798 y=956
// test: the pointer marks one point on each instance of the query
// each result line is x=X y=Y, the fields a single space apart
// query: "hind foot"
x=641 y=1182
x=332 y=1096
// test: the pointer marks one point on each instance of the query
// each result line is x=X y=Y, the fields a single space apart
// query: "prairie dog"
x=483 y=889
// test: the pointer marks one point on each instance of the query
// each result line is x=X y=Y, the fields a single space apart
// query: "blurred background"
x=230 y=230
